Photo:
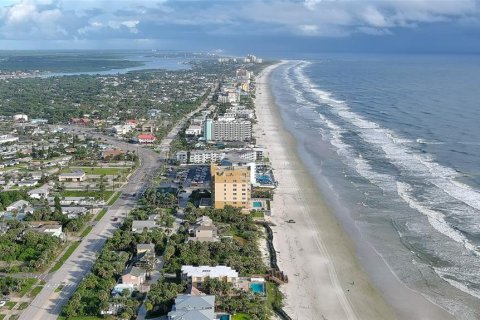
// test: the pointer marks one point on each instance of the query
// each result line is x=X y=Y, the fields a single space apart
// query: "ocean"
x=393 y=143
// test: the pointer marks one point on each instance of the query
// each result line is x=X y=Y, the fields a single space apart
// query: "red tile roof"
x=146 y=136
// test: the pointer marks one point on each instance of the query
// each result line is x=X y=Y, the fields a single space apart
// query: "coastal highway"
x=48 y=303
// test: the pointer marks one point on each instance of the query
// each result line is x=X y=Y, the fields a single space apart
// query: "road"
x=48 y=303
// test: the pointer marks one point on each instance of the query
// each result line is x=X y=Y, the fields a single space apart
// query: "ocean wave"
x=395 y=148
x=423 y=141
x=450 y=276
x=435 y=218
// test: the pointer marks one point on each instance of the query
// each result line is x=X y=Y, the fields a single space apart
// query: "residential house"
x=52 y=229
x=145 y=255
x=27 y=183
x=197 y=275
x=39 y=193
x=148 y=127
x=134 y=276
x=18 y=206
x=139 y=225
x=190 y=307
x=203 y=230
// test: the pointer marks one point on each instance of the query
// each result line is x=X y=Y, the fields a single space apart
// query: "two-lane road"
x=48 y=303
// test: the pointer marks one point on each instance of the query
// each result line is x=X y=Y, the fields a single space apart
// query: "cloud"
x=158 y=19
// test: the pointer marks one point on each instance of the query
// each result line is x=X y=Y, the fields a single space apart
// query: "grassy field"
x=99 y=170
x=18 y=166
x=100 y=215
x=9 y=305
x=36 y=290
x=65 y=256
x=27 y=285
x=274 y=296
x=258 y=215
x=79 y=318
x=23 y=306
x=114 y=198
x=86 y=231
x=241 y=316
x=83 y=193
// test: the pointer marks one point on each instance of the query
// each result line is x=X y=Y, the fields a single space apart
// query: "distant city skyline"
x=274 y=28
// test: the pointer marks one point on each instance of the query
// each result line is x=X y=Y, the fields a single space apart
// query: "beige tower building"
x=231 y=186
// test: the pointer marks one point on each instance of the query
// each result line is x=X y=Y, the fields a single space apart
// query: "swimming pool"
x=257 y=204
x=257 y=287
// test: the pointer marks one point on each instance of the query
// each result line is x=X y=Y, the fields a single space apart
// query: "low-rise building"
x=139 y=225
x=73 y=176
x=193 y=130
x=197 y=275
x=27 y=183
x=193 y=307
x=203 y=230
x=134 y=276
x=39 y=193
x=148 y=127
x=53 y=229
x=146 y=138
x=18 y=206
x=7 y=138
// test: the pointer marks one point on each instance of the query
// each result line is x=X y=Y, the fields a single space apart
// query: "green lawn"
x=86 y=231
x=114 y=198
x=274 y=296
x=27 y=285
x=9 y=305
x=241 y=316
x=79 y=318
x=257 y=214
x=100 y=215
x=2 y=316
x=35 y=291
x=83 y=193
x=18 y=166
x=65 y=256
x=23 y=306
x=98 y=170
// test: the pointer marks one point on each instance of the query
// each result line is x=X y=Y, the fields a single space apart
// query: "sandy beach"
x=326 y=280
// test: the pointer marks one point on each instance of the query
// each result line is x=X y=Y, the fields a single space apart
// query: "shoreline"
x=326 y=278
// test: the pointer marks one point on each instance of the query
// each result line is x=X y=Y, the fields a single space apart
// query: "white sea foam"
x=447 y=276
x=435 y=218
x=398 y=152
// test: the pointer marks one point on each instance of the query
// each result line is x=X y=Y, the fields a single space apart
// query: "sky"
x=272 y=27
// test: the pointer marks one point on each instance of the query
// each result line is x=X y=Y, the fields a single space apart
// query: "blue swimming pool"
x=224 y=317
x=257 y=287
x=257 y=204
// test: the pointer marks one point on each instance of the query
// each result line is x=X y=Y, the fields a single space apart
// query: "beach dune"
x=326 y=281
